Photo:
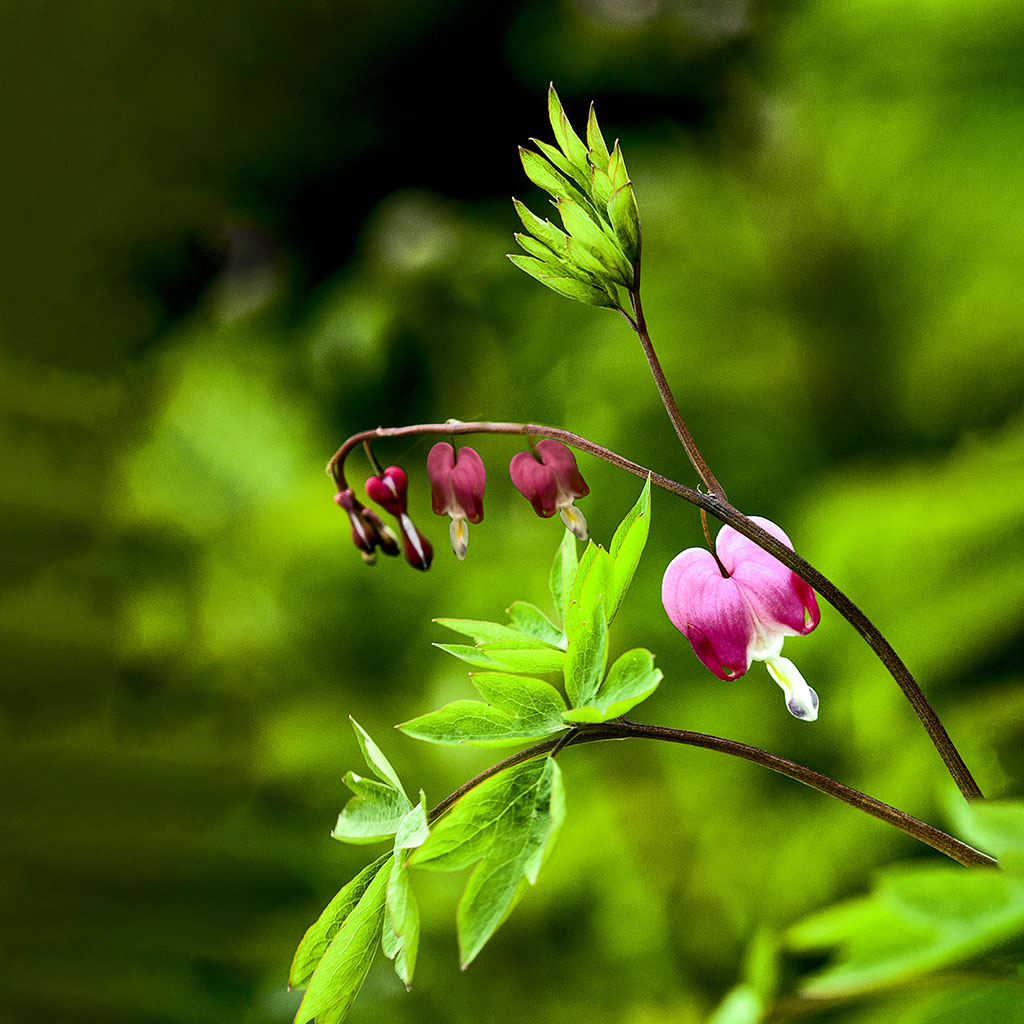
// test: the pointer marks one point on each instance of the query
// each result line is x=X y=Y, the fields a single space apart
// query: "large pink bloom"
x=744 y=616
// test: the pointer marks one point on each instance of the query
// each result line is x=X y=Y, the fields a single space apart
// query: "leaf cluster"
x=598 y=252
x=505 y=827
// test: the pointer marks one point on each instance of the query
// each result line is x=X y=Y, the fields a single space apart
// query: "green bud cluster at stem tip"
x=599 y=251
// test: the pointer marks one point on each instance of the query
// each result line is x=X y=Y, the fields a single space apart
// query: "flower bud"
x=368 y=529
x=389 y=490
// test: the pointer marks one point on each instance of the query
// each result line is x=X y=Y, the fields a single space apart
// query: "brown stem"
x=623 y=728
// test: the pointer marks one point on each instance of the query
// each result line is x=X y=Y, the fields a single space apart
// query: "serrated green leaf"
x=319 y=934
x=373 y=814
x=625 y=219
x=342 y=969
x=549 y=178
x=472 y=655
x=569 y=142
x=627 y=547
x=916 y=920
x=586 y=658
x=563 y=573
x=599 y=154
x=631 y=680
x=487 y=632
x=401 y=933
x=542 y=230
x=594 y=579
x=570 y=288
x=375 y=760
x=531 y=621
x=469 y=723
x=601 y=246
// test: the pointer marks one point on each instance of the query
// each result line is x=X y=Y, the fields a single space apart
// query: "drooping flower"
x=368 y=529
x=457 y=482
x=731 y=620
x=550 y=479
x=389 y=491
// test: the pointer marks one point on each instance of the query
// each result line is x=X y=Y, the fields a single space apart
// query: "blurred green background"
x=235 y=233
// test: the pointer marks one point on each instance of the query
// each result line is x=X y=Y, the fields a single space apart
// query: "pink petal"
x=535 y=481
x=783 y=602
x=440 y=463
x=563 y=464
x=468 y=479
x=710 y=611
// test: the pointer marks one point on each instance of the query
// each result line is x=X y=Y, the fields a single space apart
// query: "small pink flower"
x=731 y=620
x=550 y=479
x=389 y=491
x=457 y=489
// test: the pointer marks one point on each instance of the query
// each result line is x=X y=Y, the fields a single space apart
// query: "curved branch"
x=623 y=728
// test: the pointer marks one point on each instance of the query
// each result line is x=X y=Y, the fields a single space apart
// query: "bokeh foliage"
x=234 y=234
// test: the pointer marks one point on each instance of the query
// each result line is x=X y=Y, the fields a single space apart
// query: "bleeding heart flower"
x=550 y=479
x=744 y=614
x=457 y=489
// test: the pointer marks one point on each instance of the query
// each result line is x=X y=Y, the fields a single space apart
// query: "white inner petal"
x=801 y=700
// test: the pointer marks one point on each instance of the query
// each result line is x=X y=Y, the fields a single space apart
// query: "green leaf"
x=627 y=547
x=487 y=632
x=741 y=1005
x=997 y=826
x=601 y=246
x=563 y=573
x=375 y=760
x=557 y=262
x=413 y=830
x=401 y=934
x=625 y=219
x=586 y=658
x=601 y=190
x=531 y=621
x=630 y=680
x=373 y=814
x=916 y=920
x=470 y=723
x=543 y=230
x=319 y=934
x=599 y=154
x=528 y=700
x=343 y=968
x=509 y=824
x=594 y=580
x=571 y=288
x=617 y=168
x=577 y=174
x=547 y=177
x=569 y=142
x=509 y=655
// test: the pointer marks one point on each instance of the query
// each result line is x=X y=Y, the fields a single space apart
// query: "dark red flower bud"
x=419 y=552
x=368 y=529
x=389 y=490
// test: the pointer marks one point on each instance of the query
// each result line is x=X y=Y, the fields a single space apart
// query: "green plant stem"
x=623 y=728
x=726 y=513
